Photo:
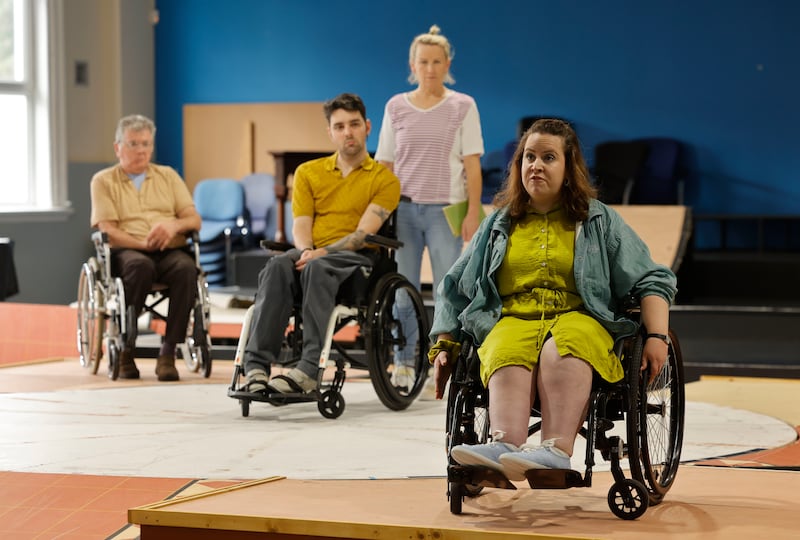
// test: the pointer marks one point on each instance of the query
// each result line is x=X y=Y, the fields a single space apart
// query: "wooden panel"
x=665 y=230
x=232 y=140
x=704 y=502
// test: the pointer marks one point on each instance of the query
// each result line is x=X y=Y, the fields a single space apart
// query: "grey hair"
x=433 y=37
x=136 y=122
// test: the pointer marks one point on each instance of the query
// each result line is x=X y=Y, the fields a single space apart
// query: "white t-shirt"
x=427 y=146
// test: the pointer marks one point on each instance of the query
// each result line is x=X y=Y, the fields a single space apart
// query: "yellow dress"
x=537 y=284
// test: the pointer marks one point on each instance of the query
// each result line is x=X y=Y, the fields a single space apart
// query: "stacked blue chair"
x=260 y=201
x=220 y=203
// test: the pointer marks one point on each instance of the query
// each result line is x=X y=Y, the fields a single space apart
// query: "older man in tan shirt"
x=146 y=211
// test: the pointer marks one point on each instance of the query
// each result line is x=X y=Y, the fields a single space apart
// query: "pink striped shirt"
x=427 y=146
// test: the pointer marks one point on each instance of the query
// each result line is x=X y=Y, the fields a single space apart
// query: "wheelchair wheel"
x=456 y=494
x=396 y=321
x=202 y=321
x=199 y=344
x=113 y=360
x=657 y=416
x=91 y=321
x=331 y=404
x=628 y=499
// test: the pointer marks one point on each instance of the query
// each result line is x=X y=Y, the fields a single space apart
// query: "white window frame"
x=43 y=85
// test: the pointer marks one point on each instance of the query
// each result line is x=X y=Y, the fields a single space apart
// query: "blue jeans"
x=418 y=226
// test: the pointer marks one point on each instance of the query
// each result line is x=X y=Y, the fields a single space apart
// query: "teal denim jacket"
x=611 y=265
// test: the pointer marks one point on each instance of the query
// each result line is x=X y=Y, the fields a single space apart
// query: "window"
x=31 y=105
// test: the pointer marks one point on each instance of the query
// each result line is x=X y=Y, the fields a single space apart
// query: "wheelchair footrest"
x=275 y=398
x=554 y=478
x=478 y=476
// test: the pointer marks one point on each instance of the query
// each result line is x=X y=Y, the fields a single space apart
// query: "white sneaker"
x=403 y=378
x=486 y=455
x=546 y=456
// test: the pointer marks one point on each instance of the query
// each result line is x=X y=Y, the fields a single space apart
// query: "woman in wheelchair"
x=540 y=291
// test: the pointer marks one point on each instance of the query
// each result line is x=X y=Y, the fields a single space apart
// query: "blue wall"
x=720 y=75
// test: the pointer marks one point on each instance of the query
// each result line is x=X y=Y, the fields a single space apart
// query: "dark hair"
x=348 y=102
x=576 y=191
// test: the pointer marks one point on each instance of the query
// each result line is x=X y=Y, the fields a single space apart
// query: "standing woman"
x=431 y=139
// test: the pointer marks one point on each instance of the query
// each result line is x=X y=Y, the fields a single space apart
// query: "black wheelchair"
x=652 y=415
x=106 y=321
x=364 y=332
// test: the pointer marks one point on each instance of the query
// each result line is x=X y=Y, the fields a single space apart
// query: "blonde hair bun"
x=435 y=30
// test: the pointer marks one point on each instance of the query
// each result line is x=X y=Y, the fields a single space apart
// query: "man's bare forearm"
x=352 y=242
x=355 y=240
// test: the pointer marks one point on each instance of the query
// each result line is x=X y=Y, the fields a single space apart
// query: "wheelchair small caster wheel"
x=245 y=404
x=457 y=492
x=331 y=404
x=628 y=499
x=113 y=361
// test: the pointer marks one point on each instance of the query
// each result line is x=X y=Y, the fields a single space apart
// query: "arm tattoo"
x=382 y=213
x=355 y=240
x=352 y=242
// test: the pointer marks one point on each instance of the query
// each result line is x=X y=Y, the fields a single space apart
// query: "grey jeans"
x=279 y=283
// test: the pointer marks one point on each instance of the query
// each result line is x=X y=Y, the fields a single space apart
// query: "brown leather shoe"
x=165 y=368
x=127 y=367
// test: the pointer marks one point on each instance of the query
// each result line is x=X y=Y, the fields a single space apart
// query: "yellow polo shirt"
x=336 y=203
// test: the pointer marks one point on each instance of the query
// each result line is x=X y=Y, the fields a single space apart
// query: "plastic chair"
x=616 y=167
x=220 y=203
x=259 y=197
x=660 y=179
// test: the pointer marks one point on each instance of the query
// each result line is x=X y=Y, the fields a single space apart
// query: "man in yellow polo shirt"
x=337 y=201
x=146 y=209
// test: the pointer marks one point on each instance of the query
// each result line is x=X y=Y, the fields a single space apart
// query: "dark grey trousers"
x=279 y=283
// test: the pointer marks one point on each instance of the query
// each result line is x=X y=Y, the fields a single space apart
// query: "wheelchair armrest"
x=100 y=237
x=383 y=241
x=276 y=246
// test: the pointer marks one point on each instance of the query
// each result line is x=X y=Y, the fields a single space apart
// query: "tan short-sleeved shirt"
x=163 y=196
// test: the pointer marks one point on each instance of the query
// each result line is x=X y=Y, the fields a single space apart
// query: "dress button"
x=544 y=264
x=543 y=246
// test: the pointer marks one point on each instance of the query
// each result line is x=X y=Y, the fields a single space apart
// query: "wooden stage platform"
x=705 y=503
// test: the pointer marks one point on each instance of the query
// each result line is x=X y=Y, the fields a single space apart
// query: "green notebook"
x=455 y=214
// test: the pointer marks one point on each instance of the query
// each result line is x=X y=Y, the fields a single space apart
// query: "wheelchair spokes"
x=662 y=425
x=91 y=322
x=395 y=340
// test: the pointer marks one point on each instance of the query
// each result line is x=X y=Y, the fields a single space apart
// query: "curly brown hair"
x=577 y=188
